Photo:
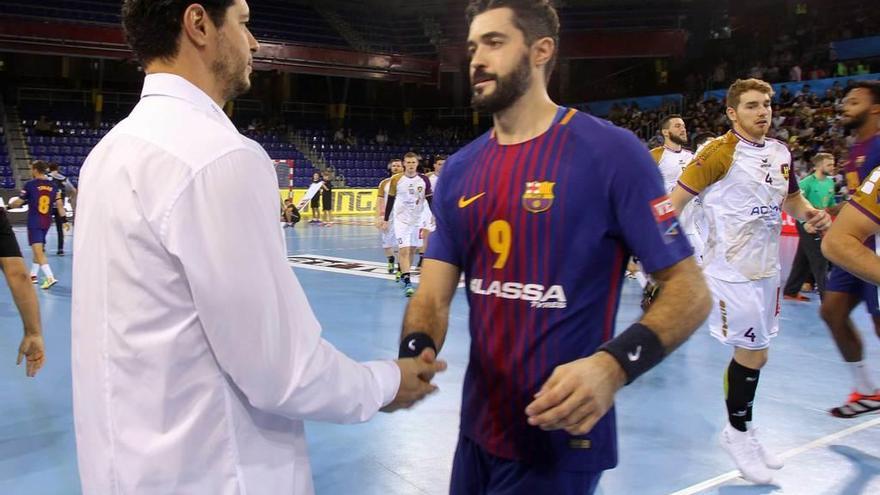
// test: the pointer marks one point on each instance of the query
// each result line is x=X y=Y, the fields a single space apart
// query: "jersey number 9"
x=499 y=242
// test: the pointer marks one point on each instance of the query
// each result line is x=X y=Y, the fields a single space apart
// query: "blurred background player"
x=741 y=262
x=672 y=157
x=818 y=189
x=315 y=203
x=41 y=195
x=68 y=192
x=844 y=291
x=428 y=224
x=14 y=270
x=388 y=239
x=327 y=199
x=409 y=194
x=539 y=380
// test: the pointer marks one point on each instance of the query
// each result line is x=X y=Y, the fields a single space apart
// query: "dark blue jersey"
x=542 y=231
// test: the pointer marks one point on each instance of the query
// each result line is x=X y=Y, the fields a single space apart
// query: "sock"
x=34 y=269
x=740 y=384
x=861 y=378
x=47 y=271
x=405 y=278
x=643 y=280
x=421 y=257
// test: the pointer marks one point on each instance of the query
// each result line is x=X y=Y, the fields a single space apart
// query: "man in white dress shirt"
x=196 y=356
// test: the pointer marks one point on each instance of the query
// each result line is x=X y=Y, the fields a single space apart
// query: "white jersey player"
x=746 y=182
x=388 y=239
x=672 y=158
x=428 y=224
x=409 y=194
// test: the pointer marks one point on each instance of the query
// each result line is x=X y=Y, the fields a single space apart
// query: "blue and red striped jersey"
x=542 y=231
x=40 y=195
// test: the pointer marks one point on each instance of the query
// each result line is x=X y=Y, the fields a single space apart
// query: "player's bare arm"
x=844 y=245
x=814 y=220
x=579 y=393
x=428 y=311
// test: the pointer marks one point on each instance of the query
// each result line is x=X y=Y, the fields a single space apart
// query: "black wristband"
x=413 y=344
x=637 y=349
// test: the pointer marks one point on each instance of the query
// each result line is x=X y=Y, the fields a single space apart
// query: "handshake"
x=415 y=379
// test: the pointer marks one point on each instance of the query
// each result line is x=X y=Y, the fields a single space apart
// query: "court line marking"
x=820 y=442
x=334 y=264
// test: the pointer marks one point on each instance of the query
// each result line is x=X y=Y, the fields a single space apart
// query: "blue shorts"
x=477 y=472
x=37 y=236
x=840 y=280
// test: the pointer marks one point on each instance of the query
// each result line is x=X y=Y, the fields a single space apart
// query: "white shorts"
x=408 y=235
x=745 y=314
x=389 y=240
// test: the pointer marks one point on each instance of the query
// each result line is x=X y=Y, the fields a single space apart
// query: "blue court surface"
x=668 y=420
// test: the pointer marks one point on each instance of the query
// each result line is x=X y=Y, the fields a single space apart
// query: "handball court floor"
x=668 y=421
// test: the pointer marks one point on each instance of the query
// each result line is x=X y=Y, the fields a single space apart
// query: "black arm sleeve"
x=8 y=245
x=389 y=207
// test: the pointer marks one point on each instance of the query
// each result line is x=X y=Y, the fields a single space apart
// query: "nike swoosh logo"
x=412 y=344
x=464 y=203
x=634 y=356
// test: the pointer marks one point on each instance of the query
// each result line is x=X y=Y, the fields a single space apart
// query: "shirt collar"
x=174 y=86
x=748 y=141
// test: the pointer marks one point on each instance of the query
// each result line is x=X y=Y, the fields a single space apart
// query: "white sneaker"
x=770 y=459
x=742 y=450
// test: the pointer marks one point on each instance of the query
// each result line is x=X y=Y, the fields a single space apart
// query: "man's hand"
x=415 y=376
x=577 y=394
x=383 y=225
x=818 y=220
x=32 y=348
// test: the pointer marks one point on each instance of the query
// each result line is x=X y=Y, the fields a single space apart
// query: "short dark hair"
x=872 y=86
x=664 y=124
x=440 y=157
x=536 y=19
x=153 y=27
x=40 y=166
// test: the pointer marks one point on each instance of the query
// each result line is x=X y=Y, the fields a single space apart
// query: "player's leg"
x=865 y=396
x=800 y=269
x=843 y=292
x=33 y=238
x=40 y=258
x=738 y=320
x=59 y=229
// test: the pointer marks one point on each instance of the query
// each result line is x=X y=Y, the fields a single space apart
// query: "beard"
x=230 y=71
x=508 y=89
x=678 y=140
x=855 y=122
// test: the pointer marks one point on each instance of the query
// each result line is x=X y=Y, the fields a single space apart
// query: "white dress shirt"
x=196 y=355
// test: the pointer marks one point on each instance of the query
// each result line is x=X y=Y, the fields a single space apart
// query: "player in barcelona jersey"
x=846 y=287
x=41 y=195
x=540 y=215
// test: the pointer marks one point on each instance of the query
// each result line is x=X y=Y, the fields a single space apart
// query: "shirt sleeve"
x=708 y=167
x=444 y=245
x=255 y=313
x=867 y=197
x=8 y=244
x=643 y=213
